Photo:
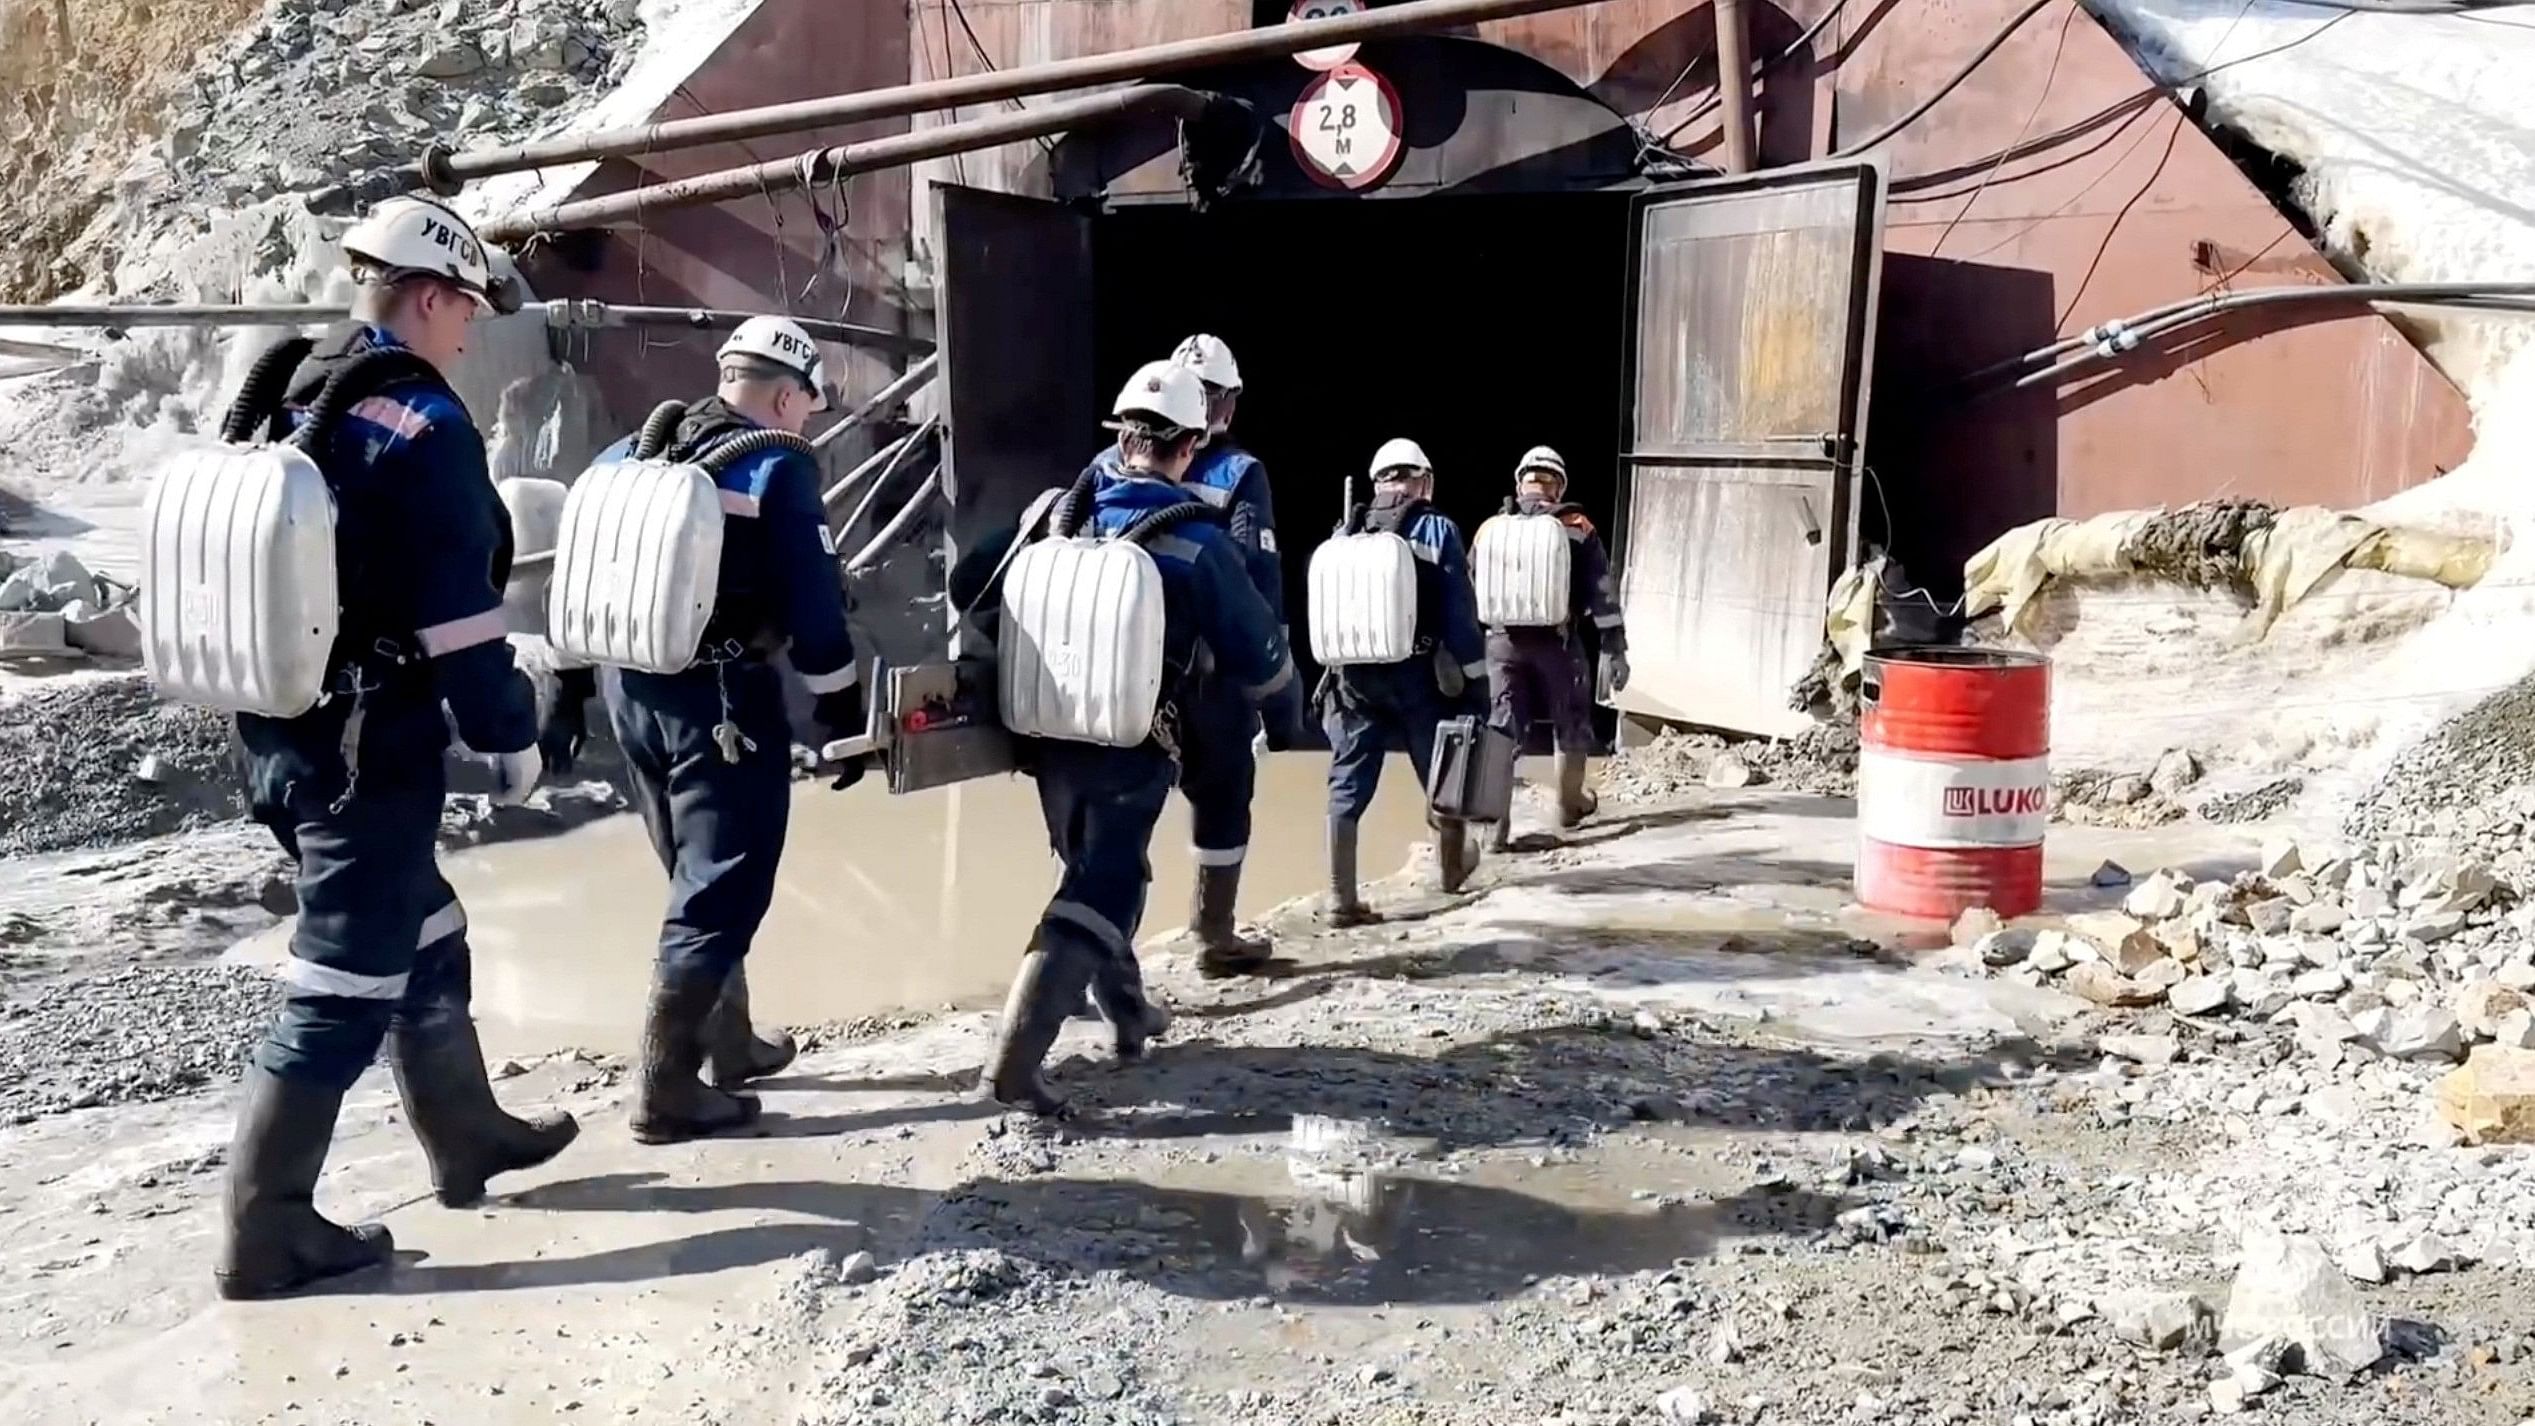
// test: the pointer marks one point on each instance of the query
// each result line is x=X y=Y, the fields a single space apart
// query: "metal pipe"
x=445 y=172
x=881 y=482
x=826 y=165
x=1734 y=82
x=888 y=396
x=875 y=461
x=915 y=505
x=564 y=314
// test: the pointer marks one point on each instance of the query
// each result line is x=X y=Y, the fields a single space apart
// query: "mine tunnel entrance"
x=1476 y=326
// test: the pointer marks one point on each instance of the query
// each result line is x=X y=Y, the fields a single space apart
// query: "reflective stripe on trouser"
x=1370 y=722
x=1535 y=675
x=1217 y=773
x=379 y=932
x=718 y=826
x=1101 y=806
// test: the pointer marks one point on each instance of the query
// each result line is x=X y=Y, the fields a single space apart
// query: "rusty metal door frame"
x=1792 y=458
x=1014 y=308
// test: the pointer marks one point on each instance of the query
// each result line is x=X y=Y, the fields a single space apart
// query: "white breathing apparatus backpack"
x=1362 y=588
x=638 y=560
x=241 y=600
x=1523 y=567
x=1080 y=653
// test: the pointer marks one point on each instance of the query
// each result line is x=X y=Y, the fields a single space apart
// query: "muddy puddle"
x=884 y=903
x=1365 y=1222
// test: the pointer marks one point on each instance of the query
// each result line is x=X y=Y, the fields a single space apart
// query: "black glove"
x=840 y=715
x=849 y=772
x=568 y=722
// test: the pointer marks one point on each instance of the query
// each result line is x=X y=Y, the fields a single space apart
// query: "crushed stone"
x=1822 y=759
x=71 y=767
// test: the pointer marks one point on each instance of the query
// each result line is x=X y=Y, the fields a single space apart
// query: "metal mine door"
x=1013 y=310
x=1754 y=311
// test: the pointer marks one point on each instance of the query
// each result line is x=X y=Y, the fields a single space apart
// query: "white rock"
x=2516 y=975
x=1729 y=772
x=2421 y=1032
x=2201 y=995
x=2515 y=1030
x=2280 y=857
x=2261 y=993
x=2121 y=940
x=2161 y=897
x=858 y=1267
x=2142 y=1049
x=1976 y=1159
x=2159 y=1321
x=2174 y=772
x=2226 y=1398
x=2427 y=1253
x=2270 y=916
x=2288 y=1289
x=2319 y=984
x=2434 y=927
x=1682 y=1406
x=2051 y=953
x=2482 y=1004
x=2162 y=974
x=1976 y=925
x=2362 y=1260
x=2321 y=919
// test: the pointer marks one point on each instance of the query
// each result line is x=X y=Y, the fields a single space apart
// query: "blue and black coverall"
x=1369 y=709
x=1102 y=803
x=353 y=787
x=1536 y=674
x=1218 y=771
x=718 y=822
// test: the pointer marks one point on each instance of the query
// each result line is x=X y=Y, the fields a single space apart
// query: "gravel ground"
x=71 y=759
x=2477 y=756
x=1821 y=759
x=127 y=1036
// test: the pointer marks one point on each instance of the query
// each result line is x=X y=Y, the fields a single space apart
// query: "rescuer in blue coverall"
x=353 y=788
x=1539 y=673
x=1102 y=803
x=710 y=748
x=1368 y=709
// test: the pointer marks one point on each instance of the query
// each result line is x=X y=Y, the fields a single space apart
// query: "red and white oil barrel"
x=1953 y=781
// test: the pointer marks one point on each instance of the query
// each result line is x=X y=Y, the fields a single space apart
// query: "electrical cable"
x=2126 y=338
x=1954 y=82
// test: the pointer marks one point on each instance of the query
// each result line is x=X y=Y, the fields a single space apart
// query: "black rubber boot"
x=276 y=1241
x=673 y=1105
x=1221 y=948
x=1117 y=987
x=1346 y=903
x=1043 y=997
x=1575 y=802
x=466 y=1135
x=734 y=1052
x=1456 y=853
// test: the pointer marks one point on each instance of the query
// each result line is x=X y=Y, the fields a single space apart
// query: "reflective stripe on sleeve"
x=837 y=682
x=1606 y=621
x=736 y=503
x=442 y=640
x=1219 y=856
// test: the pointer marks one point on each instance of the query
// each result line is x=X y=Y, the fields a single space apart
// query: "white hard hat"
x=1166 y=391
x=1398 y=452
x=406 y=236
x=780 y=340
x=1211 y=360
x=1541 y=458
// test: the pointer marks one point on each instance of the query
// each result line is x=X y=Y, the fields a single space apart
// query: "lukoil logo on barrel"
x=1997 y=801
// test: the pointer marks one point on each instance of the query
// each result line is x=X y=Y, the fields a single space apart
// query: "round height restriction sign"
x=1346 y=128
x=1334 y=55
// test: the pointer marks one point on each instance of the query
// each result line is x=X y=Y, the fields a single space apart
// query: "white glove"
x=515 y=775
